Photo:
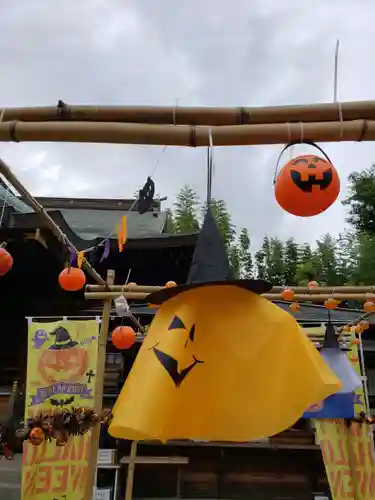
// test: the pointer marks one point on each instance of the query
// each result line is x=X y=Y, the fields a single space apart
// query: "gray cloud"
x=201 y=52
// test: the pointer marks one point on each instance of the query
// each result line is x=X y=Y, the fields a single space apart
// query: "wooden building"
x=287 y=466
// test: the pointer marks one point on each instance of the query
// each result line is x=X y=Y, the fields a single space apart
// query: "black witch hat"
x=63 y=339
x=210 y=266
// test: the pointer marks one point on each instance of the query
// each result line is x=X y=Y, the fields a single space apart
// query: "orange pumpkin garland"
x=36 y=436
x=72 y=279
x=288 y=294
x=307 y=185
x=123 y=337
x=6 y=261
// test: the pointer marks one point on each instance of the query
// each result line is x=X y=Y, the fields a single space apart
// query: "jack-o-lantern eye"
x=300 y=160
x=176 y=324
x=192 y=333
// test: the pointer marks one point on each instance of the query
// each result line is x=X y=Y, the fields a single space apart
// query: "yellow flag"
x=80 y=259
x=119 y=238
x=124 y=229
x=220 y=363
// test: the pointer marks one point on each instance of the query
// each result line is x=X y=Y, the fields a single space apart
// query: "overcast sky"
x=202 y=52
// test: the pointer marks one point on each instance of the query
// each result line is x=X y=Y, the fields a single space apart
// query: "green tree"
x=262 y=259
x=185 y=211
x=223 y=220
x=290 y=261
x=325 y=258
x=234 y=260
x=347 y=251
x=276 y=266
x=361 y=200
x=245 y=258
x=364 y=273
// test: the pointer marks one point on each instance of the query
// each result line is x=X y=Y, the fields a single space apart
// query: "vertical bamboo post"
x=98 y=398
x=130 y=474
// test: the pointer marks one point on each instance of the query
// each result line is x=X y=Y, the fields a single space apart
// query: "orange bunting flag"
x=80 y=259
x=119 y=238
x=124 y=229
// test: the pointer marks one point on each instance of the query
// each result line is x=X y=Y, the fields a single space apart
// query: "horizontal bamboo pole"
x=44 y=216
x=186 y=135
x=271 y=296
x=275 y=289
x=196 y=115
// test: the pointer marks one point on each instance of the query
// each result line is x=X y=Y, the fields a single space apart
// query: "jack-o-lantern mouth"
x=312 y=180
x=170 y=365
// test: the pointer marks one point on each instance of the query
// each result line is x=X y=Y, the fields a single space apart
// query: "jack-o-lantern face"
x=307 y=186
x=65 y=365
x=175 y=369
x=220 y=363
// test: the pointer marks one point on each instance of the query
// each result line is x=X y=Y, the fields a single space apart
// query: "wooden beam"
x=196 y=115
x=187 y=135
x=270 y=296
x=324 y=290
x=43 y=215
x=98 y=398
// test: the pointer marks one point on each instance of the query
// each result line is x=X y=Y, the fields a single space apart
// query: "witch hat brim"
x=63 y=340
x=67 y=345
x=209 y=267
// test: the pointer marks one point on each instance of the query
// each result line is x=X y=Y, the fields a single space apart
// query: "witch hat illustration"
x=219 y=361
x=337 y=360
x=210 y=266
x=63 y=339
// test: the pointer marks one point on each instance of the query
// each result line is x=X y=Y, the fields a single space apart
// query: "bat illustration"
x=62 y=402
x=307 y=186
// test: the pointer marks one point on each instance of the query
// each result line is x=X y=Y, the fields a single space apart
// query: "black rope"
x=289 y=145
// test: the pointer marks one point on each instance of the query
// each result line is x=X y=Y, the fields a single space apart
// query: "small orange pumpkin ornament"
x=331 y=304
x=358 y=329
x=123 y=337
x=369 y=306
x=36 y=436
x=72 y=279
x=6 y=261
x=313 y=284
x=294 y=306
x=355 y=341
x=288 y=294
x=307 y=185
x=170 y=284
x=354 y=359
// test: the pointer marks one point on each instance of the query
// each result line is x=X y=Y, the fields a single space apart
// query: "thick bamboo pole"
x=275 y=289
x=98 y=398
x=130 y=474
x=196 y=115
x=271 y=296
x=186 y=135
x=50 y=223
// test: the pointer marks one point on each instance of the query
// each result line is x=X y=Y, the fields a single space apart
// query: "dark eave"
x=32 y=221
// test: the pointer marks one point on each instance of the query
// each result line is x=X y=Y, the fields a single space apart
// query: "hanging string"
x=335 y=87
x=4 y=205
x=209 y=168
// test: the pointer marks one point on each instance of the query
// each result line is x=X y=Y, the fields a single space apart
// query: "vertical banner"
x=348 y=452
x=61 y=373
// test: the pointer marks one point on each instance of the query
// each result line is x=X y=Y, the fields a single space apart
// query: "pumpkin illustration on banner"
x=64 y=361
x=307 y=185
